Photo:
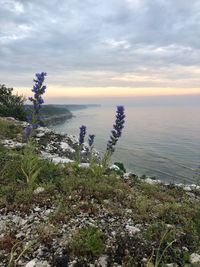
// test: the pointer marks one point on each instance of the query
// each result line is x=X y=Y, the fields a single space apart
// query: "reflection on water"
x=157 y=141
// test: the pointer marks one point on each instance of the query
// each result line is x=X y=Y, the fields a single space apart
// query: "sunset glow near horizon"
x=99 y=49
x=54 y=92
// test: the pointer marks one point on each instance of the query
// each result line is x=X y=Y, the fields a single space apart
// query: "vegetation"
x=11 y=105
x=8 y=129
x=168 y=215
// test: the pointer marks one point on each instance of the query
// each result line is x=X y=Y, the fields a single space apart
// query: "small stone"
x=84 y=165
x=23 y=222
x=195 y=258
x=129 y=211
x=42 y=264
x=187 y=188
x=38 y=190
x=103 y=260
x=132 y=229
x=150 y=181
x=114 y=168
x=20 y=235
x=48 y=212
x=2 y=226
x=37 y=209
x=31 y=263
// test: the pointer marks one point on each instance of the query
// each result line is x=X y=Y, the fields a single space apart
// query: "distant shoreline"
x=55 y=114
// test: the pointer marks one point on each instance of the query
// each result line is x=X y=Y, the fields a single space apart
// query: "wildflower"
x=82 y=134
x=38 y=89
x=117 y=129
x=91 y=139
x=27 y=132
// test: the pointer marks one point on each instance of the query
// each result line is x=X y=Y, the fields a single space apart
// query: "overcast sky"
x=101 y=47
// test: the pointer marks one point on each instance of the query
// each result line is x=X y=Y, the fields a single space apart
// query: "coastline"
x=61 y=148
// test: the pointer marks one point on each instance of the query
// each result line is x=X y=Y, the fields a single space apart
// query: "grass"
x=74 y=191
x=9 y=129
x=87 y=242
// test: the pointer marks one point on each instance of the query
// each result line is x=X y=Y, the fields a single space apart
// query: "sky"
x=101 y=49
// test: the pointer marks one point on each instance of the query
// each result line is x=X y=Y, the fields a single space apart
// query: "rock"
x=61 y=160
x=187 y=188
x=40 y=134
x=84 y=165
x=114 y=168
x=195 y=259
x=103 y=260
x=12 y=144
x=132 y=229
x=150 y=181
x=37 y=209
x=171 y=265
x=19 y=235
x=31 y=263
x=2 y=227
x=38 y=190
x=42 y=264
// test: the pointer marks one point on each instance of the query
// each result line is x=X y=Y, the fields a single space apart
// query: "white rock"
x=129 y=211
x=38 y=190
x=45 y=130
x=65 y=146
x=132 y=229
x=171 y=265
x=114 y=168
x=37 y=209
x=47 y=212
x=12 y=144
x=31 y=263
x=84 y=165
x=187 y=188
x=127 y=175
x=195 y=258
x=61 y=160
x=151 y=181
x=40 y=134
x=42 y=264
x=19 y=235
x=2 y=226
x=103 y=260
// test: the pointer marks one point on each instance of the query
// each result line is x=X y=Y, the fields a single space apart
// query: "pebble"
x=195 y=258
x=31 y=263
x=132 y=229
x=39 y=190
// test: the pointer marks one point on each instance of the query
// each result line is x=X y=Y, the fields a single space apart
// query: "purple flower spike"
x=91 y=139
x=117 y=129
x=37 y=100
x=27 y=132
x=82 y=134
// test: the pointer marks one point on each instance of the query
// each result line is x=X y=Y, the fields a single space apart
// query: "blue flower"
x=91 y=139
x=82 y=134
x=37 y=100
x=27 y=132
x=117 y=129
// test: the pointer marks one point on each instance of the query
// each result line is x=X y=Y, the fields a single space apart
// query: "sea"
x=157 y=141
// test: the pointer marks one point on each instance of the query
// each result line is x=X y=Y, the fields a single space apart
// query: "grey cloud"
x=117 y=36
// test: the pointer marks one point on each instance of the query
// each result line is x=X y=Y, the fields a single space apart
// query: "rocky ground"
x=82 y=219
x=54 y=146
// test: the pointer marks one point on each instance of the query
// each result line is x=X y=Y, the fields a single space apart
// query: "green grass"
x=74 y=190
x=87 y=242
x=8 y=129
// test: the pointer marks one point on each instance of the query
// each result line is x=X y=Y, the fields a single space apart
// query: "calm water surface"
x=157 y=141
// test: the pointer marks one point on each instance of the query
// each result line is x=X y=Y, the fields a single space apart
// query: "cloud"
x=116 y=43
